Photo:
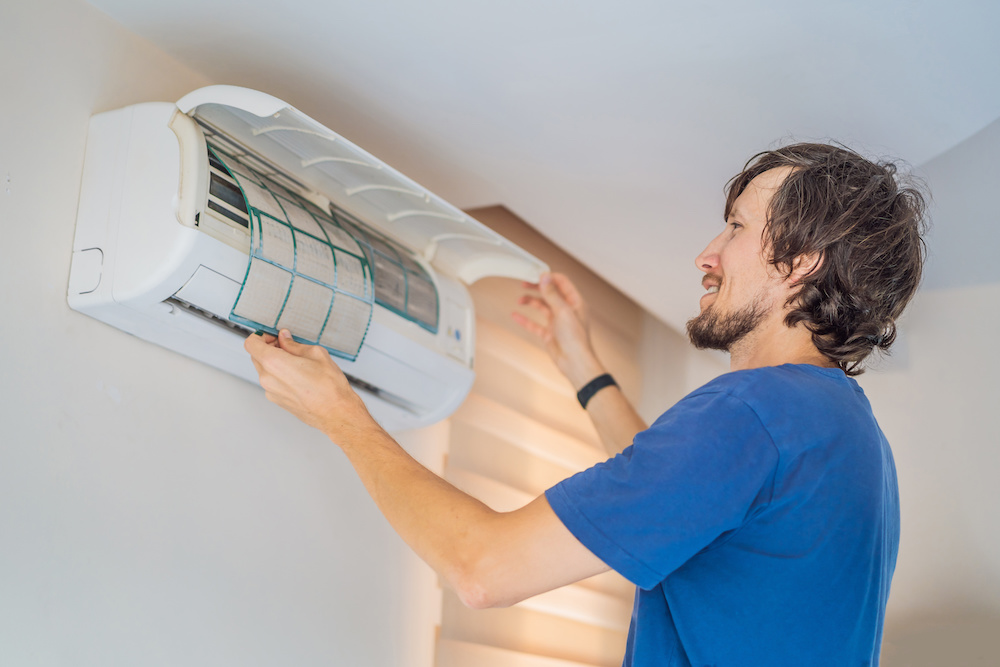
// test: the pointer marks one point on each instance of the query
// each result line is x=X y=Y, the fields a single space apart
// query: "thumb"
x=550 y=292
x=286 y=343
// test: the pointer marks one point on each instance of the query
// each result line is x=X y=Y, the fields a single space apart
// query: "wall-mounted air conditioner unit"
x=231 y=211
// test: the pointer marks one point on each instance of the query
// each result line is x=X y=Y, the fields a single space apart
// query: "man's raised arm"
x=490 y=558
x=566 y=336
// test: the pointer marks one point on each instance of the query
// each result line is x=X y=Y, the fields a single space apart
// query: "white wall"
x=938 y=407
x=939 y=403
x=154 y=510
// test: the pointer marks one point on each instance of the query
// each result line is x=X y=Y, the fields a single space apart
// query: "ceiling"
x=610 y=127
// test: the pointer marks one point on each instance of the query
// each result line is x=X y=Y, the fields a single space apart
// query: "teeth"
x=713 y=289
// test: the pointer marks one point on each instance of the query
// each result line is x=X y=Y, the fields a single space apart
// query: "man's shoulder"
x=770 y=383
x=791 y=393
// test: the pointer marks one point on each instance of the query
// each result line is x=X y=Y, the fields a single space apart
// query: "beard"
x=713 y=331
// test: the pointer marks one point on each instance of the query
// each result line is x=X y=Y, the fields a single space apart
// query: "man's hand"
x=565 y=330
x=304 y=380
x=566 y=335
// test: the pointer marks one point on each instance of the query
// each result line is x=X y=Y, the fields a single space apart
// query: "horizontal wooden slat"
x=499 y=497
x=504 y=498
x=520 y=431
x=611 y=583
x=452 y=653
x=529 y=434
x=574 y=602
x=618 y=354
x=528 y=631
x=487 y=454
x=496 y=379
x=586 y=606
x=525 y=356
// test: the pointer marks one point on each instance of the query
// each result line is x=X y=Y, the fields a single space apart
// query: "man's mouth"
x=711 y=285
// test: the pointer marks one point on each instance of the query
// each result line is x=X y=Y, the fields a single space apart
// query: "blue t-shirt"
x=759 y=518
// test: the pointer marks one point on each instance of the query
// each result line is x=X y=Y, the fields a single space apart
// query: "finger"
x=293 y=347
x=264 y=355
x=551 y=293
x=567 y=290
x=259 y=348
x=531 y=326
x=254 y=344
x=536 y=303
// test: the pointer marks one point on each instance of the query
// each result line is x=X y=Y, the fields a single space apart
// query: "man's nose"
x=708 y=259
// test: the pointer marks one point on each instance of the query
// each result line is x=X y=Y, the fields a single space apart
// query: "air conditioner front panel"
x=356 y=181
x=153 y=258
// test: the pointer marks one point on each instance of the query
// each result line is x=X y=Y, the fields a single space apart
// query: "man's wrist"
x=365 y=437
x=595 y=385
x=351 y=423
x=584 y=373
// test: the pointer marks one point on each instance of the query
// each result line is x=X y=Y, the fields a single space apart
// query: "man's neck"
x=773 y=344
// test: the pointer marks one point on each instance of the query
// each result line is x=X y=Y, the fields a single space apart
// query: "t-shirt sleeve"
x=698 y=472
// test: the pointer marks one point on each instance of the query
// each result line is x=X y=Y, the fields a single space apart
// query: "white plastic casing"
x=137 y=249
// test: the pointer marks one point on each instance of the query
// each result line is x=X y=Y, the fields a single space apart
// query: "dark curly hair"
x=866 y=226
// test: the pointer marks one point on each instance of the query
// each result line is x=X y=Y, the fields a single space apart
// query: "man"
x=758 y=516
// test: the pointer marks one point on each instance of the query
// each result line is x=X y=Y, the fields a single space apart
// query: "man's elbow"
x=476 y=597
x=477 y=590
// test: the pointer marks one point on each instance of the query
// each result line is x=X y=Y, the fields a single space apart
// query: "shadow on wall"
x=969 y=639
x=964 y=230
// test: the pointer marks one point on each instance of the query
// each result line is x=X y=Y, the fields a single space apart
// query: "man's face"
x=744 y=290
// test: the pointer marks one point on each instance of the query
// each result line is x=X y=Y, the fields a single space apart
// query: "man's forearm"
x=489 y=558
x=433 y=517
x=612 y=414
x=615 y=419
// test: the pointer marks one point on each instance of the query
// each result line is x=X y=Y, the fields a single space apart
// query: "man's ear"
x=805 y=265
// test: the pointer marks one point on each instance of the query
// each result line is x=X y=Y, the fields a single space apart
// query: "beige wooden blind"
x=521 y=431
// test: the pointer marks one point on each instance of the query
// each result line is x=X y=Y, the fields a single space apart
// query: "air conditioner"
x=230 y=212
